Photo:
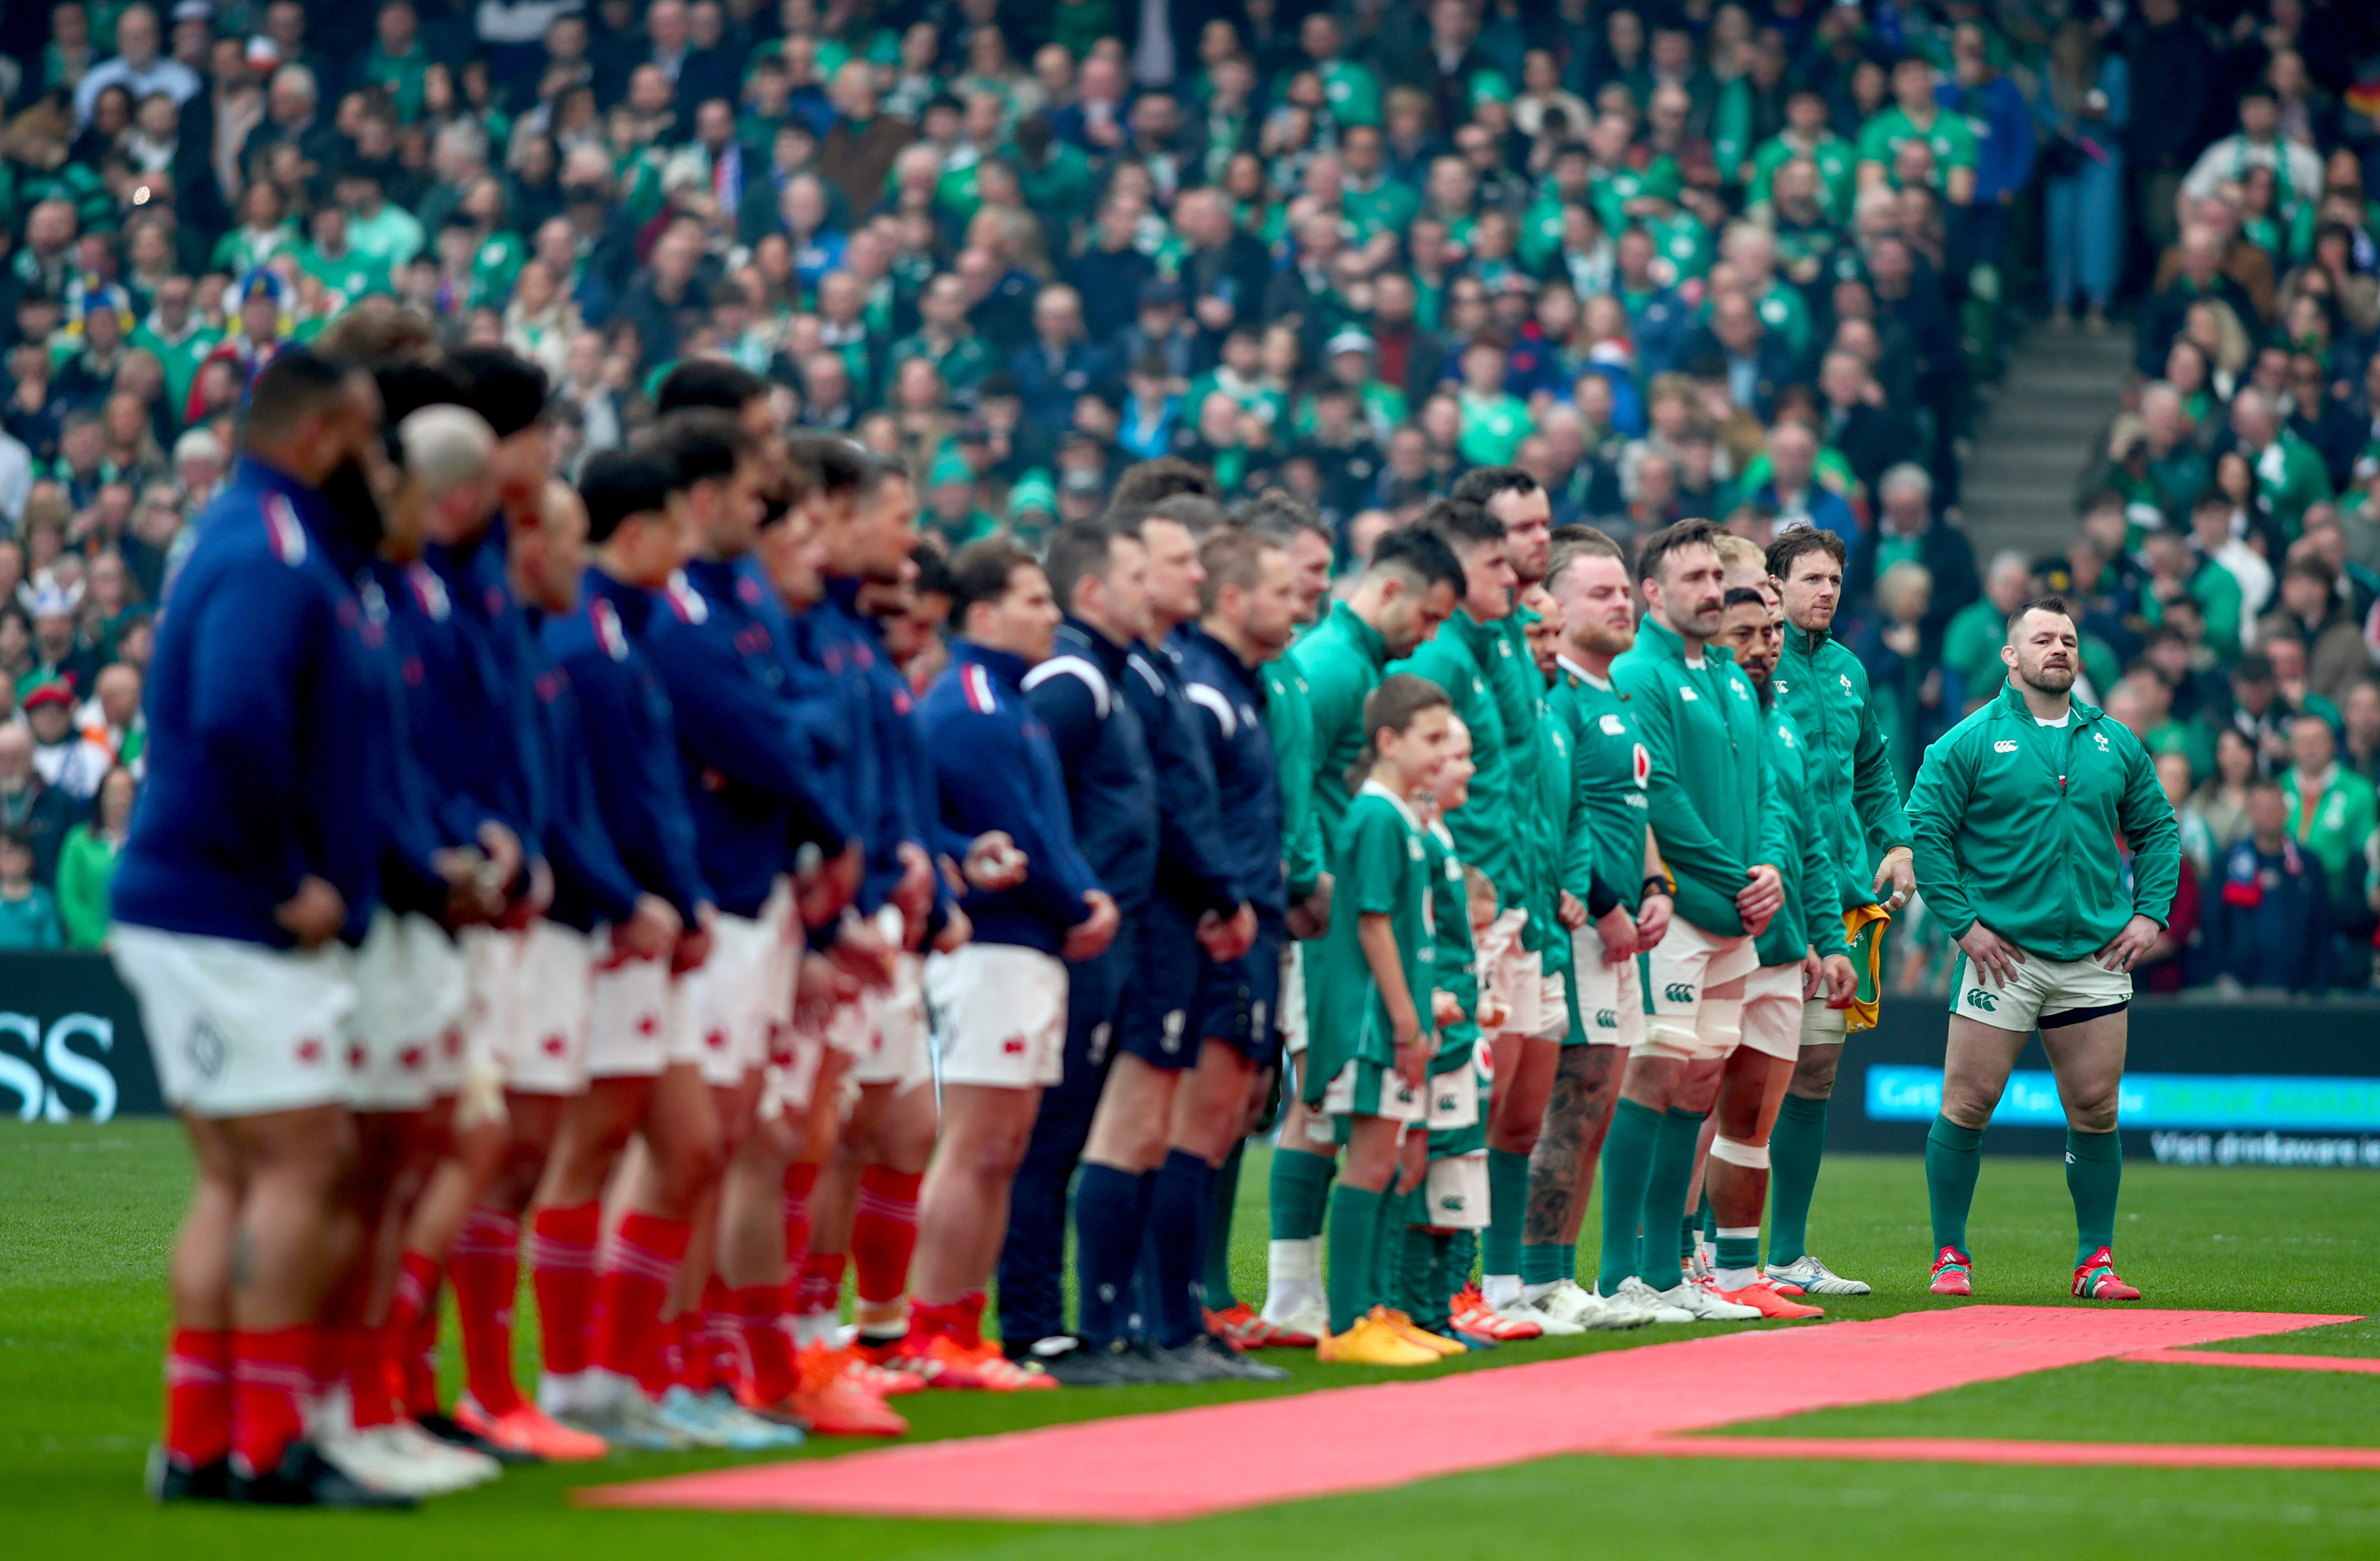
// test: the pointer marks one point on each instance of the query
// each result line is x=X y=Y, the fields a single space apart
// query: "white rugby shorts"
x=2044 y=990
x=1002 y=1012
x=410 y=1000
x=239 y=1029
x=1678 y=974
x=1772 y=1011
x=1610 y=1004
x=549 y=1051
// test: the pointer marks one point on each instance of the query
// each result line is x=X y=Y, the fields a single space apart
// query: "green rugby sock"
x=1954 y=1157
x=1352 y=1282
x=1508 y=1207
x=1665 y=1194
x=1218 y=1283
x=1738 y=1248
x=1541 y=1264
x=1461 y=1257
x=1566 y=1261
x=1796 y=1147
x=2095 y=1170
x=1440 y=1288
x=1627 y=1162
x=1300 y=1186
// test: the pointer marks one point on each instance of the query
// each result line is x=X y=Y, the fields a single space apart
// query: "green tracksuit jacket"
x=1548 y=814
x=1609 y=766
x=1341 y=662
x=1459 y=658
x=1289 y=715
x=1812 y=916
x=1852 y=793
x=1712 y=799
x=2015 y=826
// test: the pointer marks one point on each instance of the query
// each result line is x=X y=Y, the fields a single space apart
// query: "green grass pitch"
x=86 y=1214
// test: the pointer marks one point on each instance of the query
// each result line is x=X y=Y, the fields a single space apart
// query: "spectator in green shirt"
x=29 y=915
x=87 y=864
x=1914 y=116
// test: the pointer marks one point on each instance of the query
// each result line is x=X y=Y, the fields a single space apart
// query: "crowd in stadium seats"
x=1755 y=261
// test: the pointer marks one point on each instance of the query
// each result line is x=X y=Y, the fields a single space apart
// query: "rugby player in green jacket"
x=2024 y=815
x=1856 y=800
x=1714 y=813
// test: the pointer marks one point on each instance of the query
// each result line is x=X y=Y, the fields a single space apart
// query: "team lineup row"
x=637 y=868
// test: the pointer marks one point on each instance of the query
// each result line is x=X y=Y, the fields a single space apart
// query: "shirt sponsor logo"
x=2004 y=746
x=1688 y=694
x=1613 y=726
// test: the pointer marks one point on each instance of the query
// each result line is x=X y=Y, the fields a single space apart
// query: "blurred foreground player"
x=252 y=856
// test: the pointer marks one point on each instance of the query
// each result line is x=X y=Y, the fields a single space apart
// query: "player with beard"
x=2021 y=815
x=1802 y=953
x=249 y=859
x=1609 y=765
x=1857 y=801
x=1713 y=813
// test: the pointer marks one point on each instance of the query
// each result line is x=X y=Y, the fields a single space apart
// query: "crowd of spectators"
x=1758 y=261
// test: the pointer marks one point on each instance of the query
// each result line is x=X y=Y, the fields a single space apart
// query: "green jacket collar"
x=1360 y=634
x=1809 y=642
x=1670 y=645
x=2083 y=715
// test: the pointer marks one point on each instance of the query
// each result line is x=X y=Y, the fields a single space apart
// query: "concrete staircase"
x=2034 y=439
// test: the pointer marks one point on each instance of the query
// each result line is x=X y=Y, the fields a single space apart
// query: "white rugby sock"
x=1293 y=1273
x=1500 y=1290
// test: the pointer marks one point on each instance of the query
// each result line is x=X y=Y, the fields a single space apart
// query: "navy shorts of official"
x=1162 y=988
x=1239 y=1000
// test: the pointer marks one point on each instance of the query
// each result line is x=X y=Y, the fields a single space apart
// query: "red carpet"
x=1130 y=1469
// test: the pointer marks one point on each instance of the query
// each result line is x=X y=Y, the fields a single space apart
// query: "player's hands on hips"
x=955 y=932
x=1091 y=936
x=1761 y=897
x=1998 y=958
x=1653 y=920
x=1838 y=979
x=650 y=930
x=1899 y=868
x=993 y=863
x=314 y=914
x=2129 y=944
x=1569 y=911
x=1619 y=931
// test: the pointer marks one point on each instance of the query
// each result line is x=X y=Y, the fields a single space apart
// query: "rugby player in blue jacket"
x=865 y=1205
x=253 y=852
x=1249 y=607
x=1196 y=916
x=1100 y=577
x=1003 y=994
x=597 y=904
x=753 y=758
x=605 y=1323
